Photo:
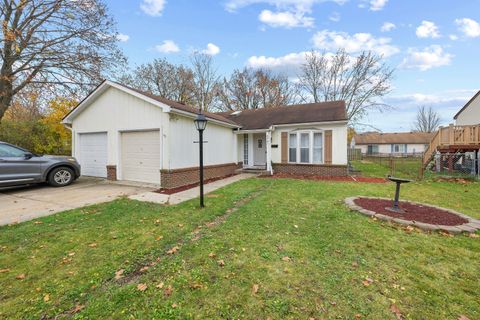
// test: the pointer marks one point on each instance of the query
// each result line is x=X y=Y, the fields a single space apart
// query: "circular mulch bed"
x=426 y=217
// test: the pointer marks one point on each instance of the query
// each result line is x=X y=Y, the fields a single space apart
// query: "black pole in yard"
x=201 y=124
x=200 y=133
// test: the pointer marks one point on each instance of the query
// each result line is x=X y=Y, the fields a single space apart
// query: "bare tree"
x=162 y=78
x=361 y=81
x=427 y=120
x=71 y=43
x=254 y=89
x=206 y=81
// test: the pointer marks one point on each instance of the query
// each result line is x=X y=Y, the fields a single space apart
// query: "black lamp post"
x=201 y=124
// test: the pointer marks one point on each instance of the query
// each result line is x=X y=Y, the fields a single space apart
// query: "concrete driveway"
x=26 y=203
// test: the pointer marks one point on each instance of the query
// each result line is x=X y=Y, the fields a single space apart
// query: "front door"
x=259 y=150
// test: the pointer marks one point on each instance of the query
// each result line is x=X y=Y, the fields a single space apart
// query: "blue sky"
x=434 y=45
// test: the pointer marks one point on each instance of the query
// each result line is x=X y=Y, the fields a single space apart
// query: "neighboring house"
x=122 y=133
x=399 y=143
x=470 y=113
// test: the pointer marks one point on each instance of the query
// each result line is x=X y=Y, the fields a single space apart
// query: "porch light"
x=200 y=122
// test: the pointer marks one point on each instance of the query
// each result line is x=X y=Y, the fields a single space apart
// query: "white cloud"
x=332 y=40
x=153 y=7
x=285 y=19
x=453 y=37
x=168 y=46
x=469 y=27
x=211 y=50
x=388 y=26
x=289 y=64
x=123 y=37
x=377 y=5
x=335 y=17
x=298 y=5
x=427 y=29
x=428 y=58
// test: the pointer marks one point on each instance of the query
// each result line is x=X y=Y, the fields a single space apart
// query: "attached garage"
x=140 y=156
x=92 y=154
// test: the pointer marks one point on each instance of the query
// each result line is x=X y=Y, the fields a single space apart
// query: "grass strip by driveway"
x=294 y=251
x=64 y=257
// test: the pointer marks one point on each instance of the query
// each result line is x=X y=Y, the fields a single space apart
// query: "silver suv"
x=19 y=167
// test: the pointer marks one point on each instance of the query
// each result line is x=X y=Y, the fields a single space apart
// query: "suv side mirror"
x=28 y=155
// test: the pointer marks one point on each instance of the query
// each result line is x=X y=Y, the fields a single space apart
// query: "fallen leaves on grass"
x=4 y=270
x=119 y=274
x=21 y=276
x=396 y=311
x=473 y=235
x=462 y=317
x=168 y=291
x=71 y=254
x=159 y=238
x=367 y=282
x=142 y=287
x=46 y=298
x=255 y=288
x=355 y=264
x=92 y=245
x=286 y=258
x=77 y=308
x=212 y=255
x=173 y=250
x=358 y=316
x=38 y=222
x=221 y=263
x=196 y=286
x=160 y=285
x=143 y=269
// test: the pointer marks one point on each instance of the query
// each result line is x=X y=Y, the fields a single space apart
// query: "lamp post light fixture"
x=201 y=124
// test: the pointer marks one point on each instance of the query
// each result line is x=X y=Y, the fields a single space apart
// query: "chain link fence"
x=459 y=164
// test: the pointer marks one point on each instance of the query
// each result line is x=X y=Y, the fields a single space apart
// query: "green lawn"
x=381 y=167
x=287 y=249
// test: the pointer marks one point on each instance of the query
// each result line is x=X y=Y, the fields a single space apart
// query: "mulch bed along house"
x=425 y=217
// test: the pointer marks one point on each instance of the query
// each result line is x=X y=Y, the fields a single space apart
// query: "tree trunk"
x=6 y=94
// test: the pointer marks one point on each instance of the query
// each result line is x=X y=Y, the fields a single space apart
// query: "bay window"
x=305 y=147
x=292 y=147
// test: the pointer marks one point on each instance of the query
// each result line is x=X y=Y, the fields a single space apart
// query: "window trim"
x=310 y=147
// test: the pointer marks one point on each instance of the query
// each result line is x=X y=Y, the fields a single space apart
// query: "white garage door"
x=93 y=154
x=141 y=156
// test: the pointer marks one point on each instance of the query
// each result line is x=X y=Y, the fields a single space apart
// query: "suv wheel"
x=61 y=177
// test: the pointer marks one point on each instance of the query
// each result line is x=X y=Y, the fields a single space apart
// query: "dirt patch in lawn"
x=326 y=178
x=413 y=212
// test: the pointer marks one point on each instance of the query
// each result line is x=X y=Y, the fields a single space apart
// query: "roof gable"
x=466 y=105
x=165 y=104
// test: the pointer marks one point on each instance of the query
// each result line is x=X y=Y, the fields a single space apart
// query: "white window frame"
x=310 y=147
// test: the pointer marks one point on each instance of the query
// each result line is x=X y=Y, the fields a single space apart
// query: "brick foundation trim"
x=112 y=172
x=175 y=178
x=324 y=170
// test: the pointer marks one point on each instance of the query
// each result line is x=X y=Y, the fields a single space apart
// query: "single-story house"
x=470 y=112
x=397 y=143
x=122 y=133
